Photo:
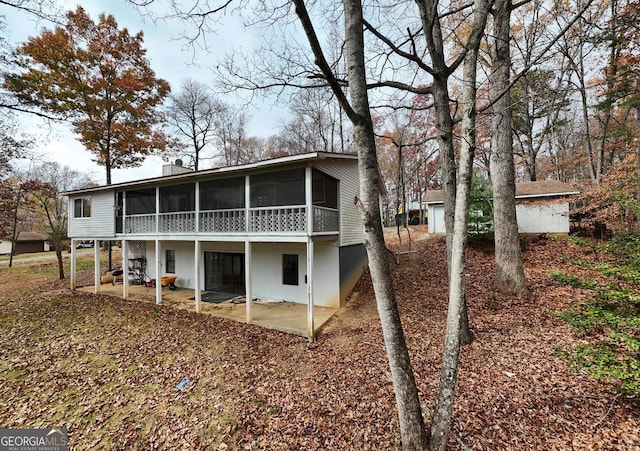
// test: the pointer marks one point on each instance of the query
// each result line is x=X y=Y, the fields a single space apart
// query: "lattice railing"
x=279 y=219
x=261 y=220
x=178 y=222
x=325 y=219
x=140 y=224
x=222 y=221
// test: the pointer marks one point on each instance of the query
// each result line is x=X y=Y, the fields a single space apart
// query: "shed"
x=27 y=242
x=541 y=207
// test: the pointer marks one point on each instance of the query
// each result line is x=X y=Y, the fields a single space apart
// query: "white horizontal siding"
x=536 y=217
x=101 y=224
x=436 y=218
x=346 y=171
x=5 y=247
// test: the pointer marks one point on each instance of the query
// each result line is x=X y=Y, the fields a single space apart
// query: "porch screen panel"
x=141 y=202
x=119 y=212
x=278 y=189
x=222 y=194
x=177 y=198
x=324 y=190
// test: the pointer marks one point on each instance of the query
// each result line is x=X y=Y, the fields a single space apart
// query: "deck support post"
x=310 y=325
x=73 y=276
x=247 y=280
x=196 y=269
x=158 y=276
x=96 y=265
x=308 y=190
x=125 y=269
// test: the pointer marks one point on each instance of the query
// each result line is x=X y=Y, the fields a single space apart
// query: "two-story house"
x=283 y=229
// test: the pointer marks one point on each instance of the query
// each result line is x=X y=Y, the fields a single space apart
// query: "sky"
x=171 y=60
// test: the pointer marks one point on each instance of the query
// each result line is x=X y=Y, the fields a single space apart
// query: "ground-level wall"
x=353 y=262
x=267 y=263
x=267 y=274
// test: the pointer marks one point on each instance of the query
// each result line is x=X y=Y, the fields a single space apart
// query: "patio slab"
x=289 y=317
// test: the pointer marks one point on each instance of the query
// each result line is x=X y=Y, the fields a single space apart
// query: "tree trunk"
x=509 y=266
x=638 y=156
x=441 y=421
x=107 y=166
x=444 y=123
x=409 y=411
x=60 y=262
x=14 y=230
x=448 y=166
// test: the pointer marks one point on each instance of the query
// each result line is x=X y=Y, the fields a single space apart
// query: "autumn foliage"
x=97 y=77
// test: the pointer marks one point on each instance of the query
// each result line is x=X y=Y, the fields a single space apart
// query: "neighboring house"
x=27 y=242
x=281 y=229
x=415 y=211
x=541 y=207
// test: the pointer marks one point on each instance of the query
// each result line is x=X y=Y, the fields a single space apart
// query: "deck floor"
x=289 y=317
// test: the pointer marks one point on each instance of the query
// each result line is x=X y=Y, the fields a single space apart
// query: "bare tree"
x=417 y=53
x=441 y=422
x=49 y=181
x=230 y=129
x=17 y=204
x=193 y=112
x=317 y=121
x=578 y=48
x=39 y=9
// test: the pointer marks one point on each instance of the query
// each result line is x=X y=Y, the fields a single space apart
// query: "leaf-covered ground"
x=107 y=369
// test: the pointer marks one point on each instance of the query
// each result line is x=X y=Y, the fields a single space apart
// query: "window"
x=289 y=269
x=82 y=208
x=170 y=261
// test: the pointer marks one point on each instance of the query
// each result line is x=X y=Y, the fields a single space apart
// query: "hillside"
x=108 y=368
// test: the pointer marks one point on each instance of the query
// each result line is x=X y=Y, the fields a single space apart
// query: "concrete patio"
x=283 y=316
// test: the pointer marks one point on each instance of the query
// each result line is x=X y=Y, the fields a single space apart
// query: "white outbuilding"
x=541 y=207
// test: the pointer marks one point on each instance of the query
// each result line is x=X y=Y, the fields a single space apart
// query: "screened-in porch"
x=295 y=201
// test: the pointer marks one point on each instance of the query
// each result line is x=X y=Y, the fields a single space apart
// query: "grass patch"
x=611 y=322
x=47 y=254
x=572 y=280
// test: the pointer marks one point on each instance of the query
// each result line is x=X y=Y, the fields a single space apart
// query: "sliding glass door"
x=224 y=272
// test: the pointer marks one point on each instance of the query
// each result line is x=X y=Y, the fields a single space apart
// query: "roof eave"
x=224 y=170
x=526 y=196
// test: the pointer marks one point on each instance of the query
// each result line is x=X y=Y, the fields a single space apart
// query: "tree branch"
x=320 y=60
x=397 y=50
